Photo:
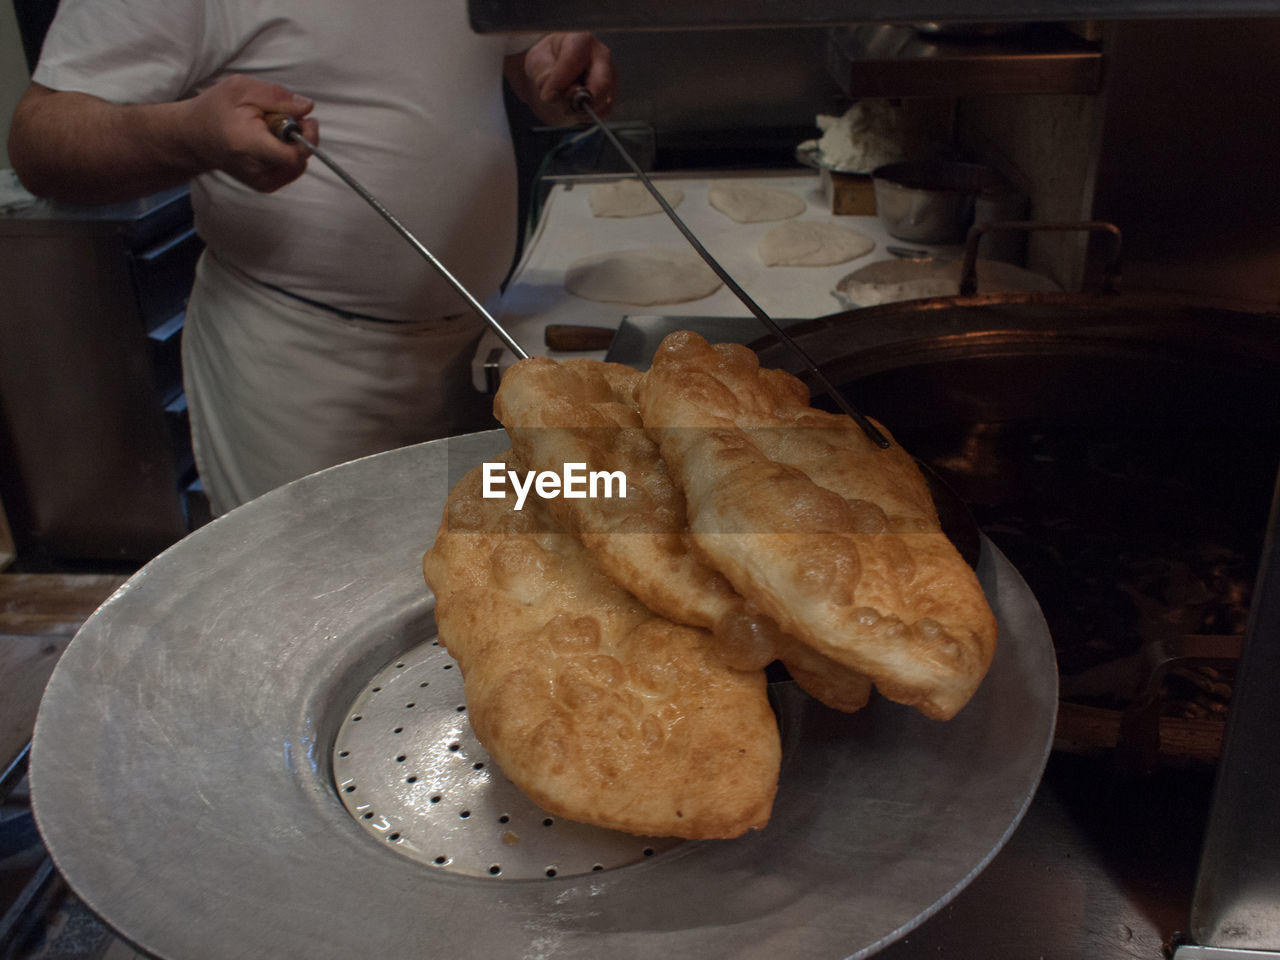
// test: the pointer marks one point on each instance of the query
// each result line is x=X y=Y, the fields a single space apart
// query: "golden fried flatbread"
x=832 y=537
x=583 y=411
x=599 y=710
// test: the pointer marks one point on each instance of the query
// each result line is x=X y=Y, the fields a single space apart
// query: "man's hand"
x=546 y=75
x=227 y=131
x=78 y=147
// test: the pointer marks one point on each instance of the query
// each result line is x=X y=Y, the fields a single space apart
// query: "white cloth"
x=278 y=389
x=409 y=102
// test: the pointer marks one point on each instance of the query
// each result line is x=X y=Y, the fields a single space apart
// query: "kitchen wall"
x=1189 y=156
x=1180 y=152
x=722 y=80
x=1048 y=145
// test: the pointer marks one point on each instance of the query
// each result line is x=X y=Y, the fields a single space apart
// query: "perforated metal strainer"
x=408 y=767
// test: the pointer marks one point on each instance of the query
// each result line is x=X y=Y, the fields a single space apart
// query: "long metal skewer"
x=581 y=100
x=287 y=129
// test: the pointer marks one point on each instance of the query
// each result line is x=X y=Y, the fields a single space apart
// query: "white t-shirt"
x=409 y=102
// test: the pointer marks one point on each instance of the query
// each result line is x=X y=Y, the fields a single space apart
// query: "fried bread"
x=597 y=708
x=835 y=539
x=580 y=410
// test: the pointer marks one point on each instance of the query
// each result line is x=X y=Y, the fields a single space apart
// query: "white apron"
x=278 y=388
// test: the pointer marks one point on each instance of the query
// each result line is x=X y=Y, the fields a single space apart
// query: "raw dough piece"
x=835 y=539
x=888 y=281
x=646 y=276
x=812 y=243
x=629 y=198
x=599 y=710
x=754 y=203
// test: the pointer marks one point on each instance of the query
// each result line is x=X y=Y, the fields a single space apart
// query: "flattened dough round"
x=629 y=198
x=646 y=276
x=812 y=243
x=754 y=202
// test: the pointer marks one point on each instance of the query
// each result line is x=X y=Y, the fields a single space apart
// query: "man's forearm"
x=77 y=147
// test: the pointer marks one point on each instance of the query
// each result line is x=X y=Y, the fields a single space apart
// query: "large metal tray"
x=181 y=775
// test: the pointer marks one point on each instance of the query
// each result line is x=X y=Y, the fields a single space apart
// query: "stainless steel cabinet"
x=95 y=456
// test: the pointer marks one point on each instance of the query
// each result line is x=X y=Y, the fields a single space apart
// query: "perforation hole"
x=415 y=710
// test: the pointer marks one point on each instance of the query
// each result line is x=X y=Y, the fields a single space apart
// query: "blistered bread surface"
x=597 y=708
x=834 y=538
x=584 y=411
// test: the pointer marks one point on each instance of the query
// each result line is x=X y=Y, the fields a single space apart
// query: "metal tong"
x=581 y=101
x=954 y=515
x=287 y=129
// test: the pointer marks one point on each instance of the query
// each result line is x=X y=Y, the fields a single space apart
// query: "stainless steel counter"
x=94 y=450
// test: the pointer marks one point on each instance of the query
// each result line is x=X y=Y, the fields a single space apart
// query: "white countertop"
x=567 y=230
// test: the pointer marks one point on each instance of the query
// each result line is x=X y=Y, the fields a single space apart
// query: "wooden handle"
x=572 y=336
